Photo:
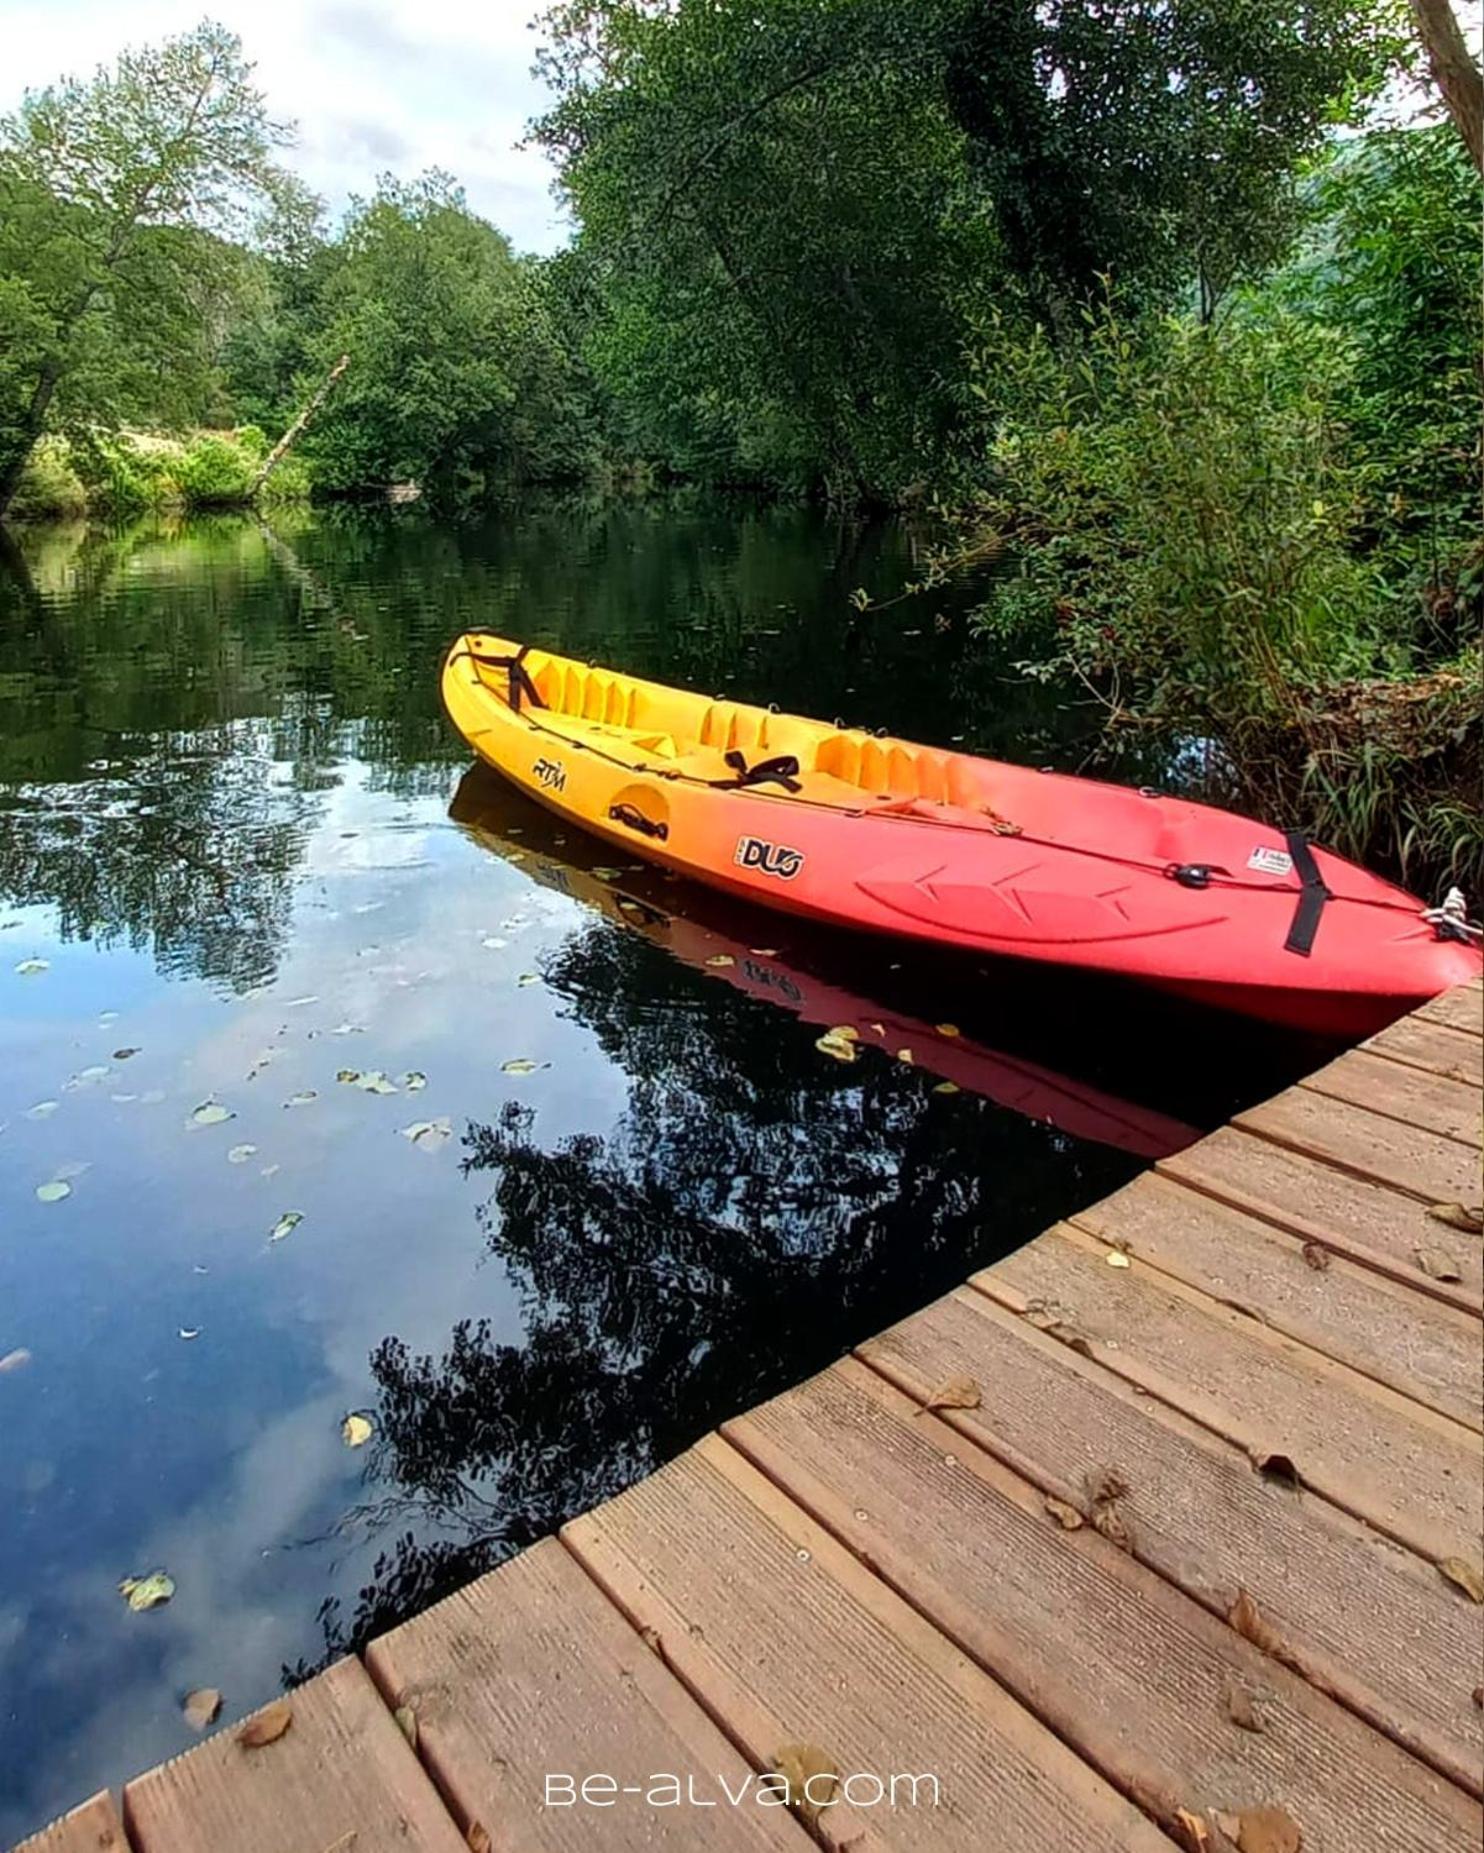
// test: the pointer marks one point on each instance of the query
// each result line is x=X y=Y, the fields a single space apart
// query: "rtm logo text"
x=769 y=858
x=551 y=773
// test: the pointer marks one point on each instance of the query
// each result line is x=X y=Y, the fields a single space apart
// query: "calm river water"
x=242 y=855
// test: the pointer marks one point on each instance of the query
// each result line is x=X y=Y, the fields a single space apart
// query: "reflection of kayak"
x=880 y=834
x=490 y=813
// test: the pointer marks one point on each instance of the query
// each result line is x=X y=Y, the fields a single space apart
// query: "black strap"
x=784 y=771
x=1312 y=896
x=521 y=683
x=631 y=815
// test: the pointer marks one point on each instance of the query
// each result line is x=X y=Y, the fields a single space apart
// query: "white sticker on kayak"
x=1271 y=861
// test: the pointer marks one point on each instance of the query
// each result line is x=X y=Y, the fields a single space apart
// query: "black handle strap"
x=1312 y=896
x=521 y=684
x=634 y=818
x=784 y=771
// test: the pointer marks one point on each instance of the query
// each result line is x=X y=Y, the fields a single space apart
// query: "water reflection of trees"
x=756 y=1211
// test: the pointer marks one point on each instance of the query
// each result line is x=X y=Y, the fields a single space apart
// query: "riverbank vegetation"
x=1171 y=312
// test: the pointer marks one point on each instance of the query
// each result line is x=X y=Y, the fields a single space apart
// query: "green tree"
x=115 y=196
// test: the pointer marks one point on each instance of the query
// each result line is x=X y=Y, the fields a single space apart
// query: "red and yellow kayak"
x=890 y=837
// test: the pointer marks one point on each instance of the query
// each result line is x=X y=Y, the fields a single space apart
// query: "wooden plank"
x=1461 y=1008
x=786 y=1635
x=342 y=1777
x=1359 y=1616
x=1128 y=1671
x=1416 y=1475
x=1381 y=1228
x=92 y=1828
x=1452 y=1053
x=1431 y=1168
x=1420 y=1347
x=532 y=1671
x=1427 y=1102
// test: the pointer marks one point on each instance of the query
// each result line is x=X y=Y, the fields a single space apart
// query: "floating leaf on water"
x=492 y=944
x=86 y=1077
x=123 y=1099
x=147 y=1592
x=607 y=874
x=286 y=1225
x=297 y=1003
x=32 y=968
x=1465 y=1576
x=949 y=1029
x=188 y=1332
x=54 y=1191
x=266 y=1726
x=839 y=1042
x=947 y=1087
x=1467 y=1219
x=905 y=1055
x=15 y=1360
x=763 y=952
x=124 y=1055
x=106 y=1017
x=43 y=1110
x=356 y=1431
x=349 y=1029
x=375 y=1082
x=521 y=1065
x=428 y=1135
x=414 y=1081
x=348 y=1075
x=240 y=1154
x=202 y=1707
x=211 y=1113
x=269 y=1170
x=721 y=959
x=302 y=1098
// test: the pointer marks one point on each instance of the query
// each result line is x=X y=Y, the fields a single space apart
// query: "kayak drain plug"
x=1190 y=874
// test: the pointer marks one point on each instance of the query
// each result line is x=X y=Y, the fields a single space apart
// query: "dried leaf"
x=302 y=1098
x=1104 y=1486
x=414 y=1080
x=1467 y=1220
x=1191 y=1831
x=478 y=1837
x=763 y=952
x=32 y=968
x=123 y=1055
x=839 y=1044
x=905 y=1055
x=43 y=1110
x=1250 y=1622
x=406 y=1719
x=15 y=1360
x=1465 y=1576
x=721 y=959
x=947 y=1087
x=522 y=1065
x=1267 y=1830
x=211 y=1113
x=651 y=1639
x=1114 y=1527
x=202 y=1707
x=1316 y=1256
x=954 y=1393
x=1104 y=1489
x=812 y=1779
x=266 y=1726
x=949 y=1029
x=1116 y=1258
x=428 y=1135
x=1241 y=1708
x=356 y=1430
x=1438 y=1264
x=285 y=1226
x=54 y=1191
x=147 y=1592
x=1067 y=1516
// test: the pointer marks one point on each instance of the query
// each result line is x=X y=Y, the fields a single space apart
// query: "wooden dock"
x=1164 y=1530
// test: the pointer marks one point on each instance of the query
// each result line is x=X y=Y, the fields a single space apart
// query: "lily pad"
x=285 y=1226
x=356 y=1430
x=147 y=1592
x=211 y=1113
x=54 y=1191
x=202 y=1708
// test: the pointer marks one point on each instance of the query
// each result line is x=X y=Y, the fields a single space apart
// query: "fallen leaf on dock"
x=286 y=1225
x=147 y=1592
x=1316 y=1256
x=478 y=1837
x=1067 y=1516
x=812 y=1778
x=1191 y=1831
x=356 y=1431
x=954 y=1393
x=1267 y=1830
x=267 y=1725
x=1116 y=1258
x=1250 y=1622
x=1468 y=1221
x=1437 y=1264
x=1241 y=1708
x=202 y=1707
x=1104 y=1489
x=406 y=1719
x=1465 y=1576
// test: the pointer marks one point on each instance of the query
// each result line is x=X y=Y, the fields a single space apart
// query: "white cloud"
x=372 y=84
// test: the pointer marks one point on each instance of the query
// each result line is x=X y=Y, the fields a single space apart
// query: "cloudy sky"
x=372 y=84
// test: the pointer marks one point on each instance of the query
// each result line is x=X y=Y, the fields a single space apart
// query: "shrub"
x=50 y=487
x=214 y=470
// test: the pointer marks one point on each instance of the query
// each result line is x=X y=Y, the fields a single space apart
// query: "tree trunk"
x=296 y=430
x=32 y=426
x=1454 y=72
